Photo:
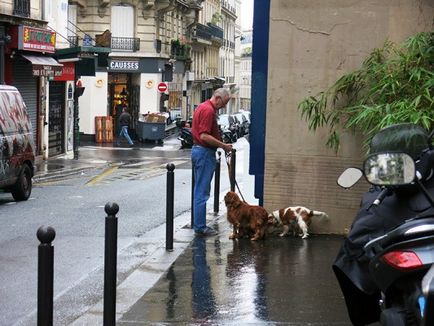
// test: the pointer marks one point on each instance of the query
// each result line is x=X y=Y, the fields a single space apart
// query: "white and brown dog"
x=297 y=216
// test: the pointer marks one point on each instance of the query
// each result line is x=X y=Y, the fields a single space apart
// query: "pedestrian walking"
x=124 y=122
x=206 y=140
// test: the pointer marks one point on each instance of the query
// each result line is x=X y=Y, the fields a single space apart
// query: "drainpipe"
x=2 y=54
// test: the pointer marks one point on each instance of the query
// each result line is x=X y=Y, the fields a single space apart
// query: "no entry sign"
x=162 y=87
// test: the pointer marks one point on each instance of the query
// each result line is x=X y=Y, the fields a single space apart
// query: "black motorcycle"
x=186 y=137
x=386 y=265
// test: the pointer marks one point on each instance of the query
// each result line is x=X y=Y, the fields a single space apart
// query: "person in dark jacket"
x=124 y=123
x=351 y=266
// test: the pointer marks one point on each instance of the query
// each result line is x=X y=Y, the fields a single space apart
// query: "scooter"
x=228 y=136
x=185 y=137
x=401 y=262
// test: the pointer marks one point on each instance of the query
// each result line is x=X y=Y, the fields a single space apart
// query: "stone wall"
x=312 y=44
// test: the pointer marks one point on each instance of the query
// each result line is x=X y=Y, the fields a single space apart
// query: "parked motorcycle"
x=186 y=137
x=228 y=136
x=386 y=266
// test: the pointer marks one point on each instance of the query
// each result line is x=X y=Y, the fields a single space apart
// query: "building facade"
x=177 y=43
x=227 y=51
x=27 y=47
x=245 y=70
x=148 y=47
x=310 y=47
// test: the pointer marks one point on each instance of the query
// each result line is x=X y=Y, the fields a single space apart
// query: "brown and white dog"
x=297 y=216
x=246 y=219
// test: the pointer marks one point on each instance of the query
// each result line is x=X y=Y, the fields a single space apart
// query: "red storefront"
x=28 y=66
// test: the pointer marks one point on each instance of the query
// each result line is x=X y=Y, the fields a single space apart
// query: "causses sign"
x=129 y=65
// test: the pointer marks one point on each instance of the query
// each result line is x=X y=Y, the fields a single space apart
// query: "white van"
x=17 y=154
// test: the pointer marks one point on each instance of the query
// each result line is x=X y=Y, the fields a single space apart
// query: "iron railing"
x=228 y=7
x=73 y=41
x=203 y=32
x=21 y=8
x=179 y=51
x=215 y=31
x=125 y=44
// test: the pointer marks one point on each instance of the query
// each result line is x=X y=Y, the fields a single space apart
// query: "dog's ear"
x=231 y=199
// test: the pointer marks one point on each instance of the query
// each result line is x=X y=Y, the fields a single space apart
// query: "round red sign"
x=162 y=87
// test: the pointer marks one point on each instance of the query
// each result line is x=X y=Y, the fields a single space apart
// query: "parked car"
x=17 y=156
x=228 y=127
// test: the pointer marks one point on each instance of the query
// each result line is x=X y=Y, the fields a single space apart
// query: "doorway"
x=118 y=96
x=56 y=124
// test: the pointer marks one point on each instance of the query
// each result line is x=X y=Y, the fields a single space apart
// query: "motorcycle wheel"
x=393 y=317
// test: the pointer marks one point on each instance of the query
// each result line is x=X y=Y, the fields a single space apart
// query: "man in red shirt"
x=206 y=139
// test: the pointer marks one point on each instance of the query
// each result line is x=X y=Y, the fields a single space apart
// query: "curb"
x=153 y=267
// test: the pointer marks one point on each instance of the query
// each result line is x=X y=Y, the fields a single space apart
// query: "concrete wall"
x=93 y=102
x=312 y=43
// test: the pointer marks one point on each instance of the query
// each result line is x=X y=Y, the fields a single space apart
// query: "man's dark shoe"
x=207 y=232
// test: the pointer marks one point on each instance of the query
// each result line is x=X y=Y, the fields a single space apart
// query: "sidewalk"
x=217 y=281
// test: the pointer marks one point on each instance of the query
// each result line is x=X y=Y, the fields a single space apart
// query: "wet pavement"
x=217 y=281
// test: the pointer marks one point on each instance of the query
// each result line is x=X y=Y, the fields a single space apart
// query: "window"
x=21 y=8
x=122 y=21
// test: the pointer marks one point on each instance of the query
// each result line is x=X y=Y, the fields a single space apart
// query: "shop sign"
x=68 y=72
x=129 y=65
x=36 y=39
x=46 y=71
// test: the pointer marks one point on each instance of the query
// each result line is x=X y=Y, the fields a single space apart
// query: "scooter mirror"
x=389 y=169
x=349 y=177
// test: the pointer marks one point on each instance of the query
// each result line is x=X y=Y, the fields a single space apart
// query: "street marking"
x=137 y=164
x=175 y=162
x=101 y=176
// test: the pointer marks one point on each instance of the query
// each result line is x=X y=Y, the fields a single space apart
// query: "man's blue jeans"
x=124 y=132
x=204 y=162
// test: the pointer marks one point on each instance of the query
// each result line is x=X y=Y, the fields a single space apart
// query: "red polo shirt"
x=205 y=121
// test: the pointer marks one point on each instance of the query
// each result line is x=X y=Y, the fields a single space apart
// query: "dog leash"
x=228 y=157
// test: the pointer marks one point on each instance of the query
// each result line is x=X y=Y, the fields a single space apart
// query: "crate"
x=151 y=130
x=104 y=129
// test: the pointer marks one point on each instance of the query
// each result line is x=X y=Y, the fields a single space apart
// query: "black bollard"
x=233 y=168
x=192 y=196
x=110 y=261
x=45 y=275
x=169 y=205
x=217 y=184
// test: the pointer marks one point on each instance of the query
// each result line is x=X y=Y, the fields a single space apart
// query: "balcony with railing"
x=127 y=44
x=179 y=51
x=202 y=32
x=230 y=9
x=216 y=32
x=21 y=8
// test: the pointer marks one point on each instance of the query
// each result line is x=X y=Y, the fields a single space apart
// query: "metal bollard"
x=110 y=262
x=192 y=196
x=217 y=184
x=169 y=205
x=233 y=169
x=45 y=275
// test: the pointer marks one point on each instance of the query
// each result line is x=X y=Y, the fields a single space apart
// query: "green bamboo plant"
x=395 y=84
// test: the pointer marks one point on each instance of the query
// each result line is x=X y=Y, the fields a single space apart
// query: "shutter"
x=124 y=14
x=56 y=125
x=27 y=84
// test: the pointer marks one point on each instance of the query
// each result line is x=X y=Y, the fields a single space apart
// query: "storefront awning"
x=44 y=66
